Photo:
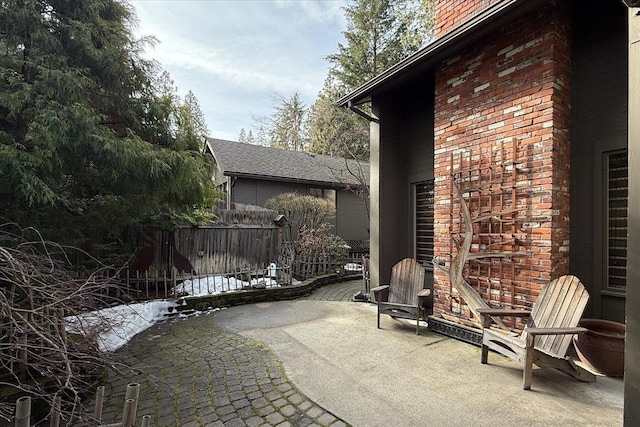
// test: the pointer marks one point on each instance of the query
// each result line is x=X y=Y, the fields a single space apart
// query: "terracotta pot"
x=602 y=346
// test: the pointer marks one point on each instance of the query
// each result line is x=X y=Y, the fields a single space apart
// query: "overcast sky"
x=232 y=54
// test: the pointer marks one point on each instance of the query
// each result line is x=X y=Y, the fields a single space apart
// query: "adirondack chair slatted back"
x=407 y=280
x=560 y=304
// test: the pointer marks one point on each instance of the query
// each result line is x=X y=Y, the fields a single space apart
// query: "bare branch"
x=37 y=296
x=497 y=215
x=489 y=254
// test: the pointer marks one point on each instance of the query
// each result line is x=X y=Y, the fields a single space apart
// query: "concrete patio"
x=321 y=361
x=382 y=377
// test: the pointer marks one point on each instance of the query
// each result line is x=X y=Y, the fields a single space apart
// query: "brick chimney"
x=451 y=13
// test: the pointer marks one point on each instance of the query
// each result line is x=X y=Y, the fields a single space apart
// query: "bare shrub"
x=38 y=357
x=320 y=241
x=302 y=210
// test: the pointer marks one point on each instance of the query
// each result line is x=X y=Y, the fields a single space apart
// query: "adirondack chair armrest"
x=534 y=332
x=487 y=313
x=555 y=331
x=502 y=312
x=423 y=299
x=424 y=303
x=381 y=293
x=424 y=293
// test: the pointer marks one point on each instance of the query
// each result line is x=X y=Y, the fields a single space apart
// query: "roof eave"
x=433 y=51
x=332 y=184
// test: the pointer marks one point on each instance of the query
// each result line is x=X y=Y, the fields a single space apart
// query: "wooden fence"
x=208 y=248
x=152 y=284
x=304 y=267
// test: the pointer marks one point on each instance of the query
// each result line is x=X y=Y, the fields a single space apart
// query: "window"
x=323 y=193
x=424 y=222
x=617 y=180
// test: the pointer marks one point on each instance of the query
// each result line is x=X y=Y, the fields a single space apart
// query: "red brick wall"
x=512 y=84
x=451 y=13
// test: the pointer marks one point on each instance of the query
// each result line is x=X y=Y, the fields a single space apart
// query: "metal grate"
x=455 y=330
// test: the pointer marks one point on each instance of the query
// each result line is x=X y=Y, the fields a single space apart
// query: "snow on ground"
x=115 y=326
x=353 y=266
x=212 y=285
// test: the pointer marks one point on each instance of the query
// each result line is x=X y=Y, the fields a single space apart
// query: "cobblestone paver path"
x=195 y=374
x=343 y=291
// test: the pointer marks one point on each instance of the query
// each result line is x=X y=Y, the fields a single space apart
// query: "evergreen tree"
x=335 y=131
x=250 y=138
x=416 y=19
x=261 y=137
x=243 y=136
x=379 y=34
x=91 y=139
x=286 y=126
x=191 y=125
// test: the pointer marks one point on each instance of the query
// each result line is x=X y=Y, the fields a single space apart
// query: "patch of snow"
x=115 y=326
x=353 y=266
x=212 y=285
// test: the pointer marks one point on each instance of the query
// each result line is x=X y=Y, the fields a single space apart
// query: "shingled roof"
x=254 y=161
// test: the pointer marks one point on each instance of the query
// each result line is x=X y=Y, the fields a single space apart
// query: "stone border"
x=252 y=296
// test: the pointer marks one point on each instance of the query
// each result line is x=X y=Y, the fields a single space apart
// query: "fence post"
x=97 y=413
x=23 y=411
x=173 y=283
x=164 y=282
x=146 y=282
x=128 y=284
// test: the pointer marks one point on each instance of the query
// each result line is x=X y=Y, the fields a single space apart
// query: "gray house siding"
x=244 y=191
x=404 y=156
x=599 y=125
x=351 y=224
x=632 y=350
x=252 y=174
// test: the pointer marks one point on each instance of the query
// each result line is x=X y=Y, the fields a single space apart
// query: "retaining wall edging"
x=252 y=296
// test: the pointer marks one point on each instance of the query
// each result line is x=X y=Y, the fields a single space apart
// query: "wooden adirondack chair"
x=545 y=339
x=404 y=297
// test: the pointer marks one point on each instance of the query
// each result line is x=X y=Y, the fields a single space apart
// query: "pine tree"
x=261 y=137
x=286 y=126
x=243 y=136
x=379 y=34
x=250 y=138
x=335 y=131
x=191 y=125
x=91 y=138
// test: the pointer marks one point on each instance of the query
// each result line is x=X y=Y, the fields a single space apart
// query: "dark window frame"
x=423 y=234
x=615 y=224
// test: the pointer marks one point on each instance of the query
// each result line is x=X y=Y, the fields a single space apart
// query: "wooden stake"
x=23 y=411
x=97 y=413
